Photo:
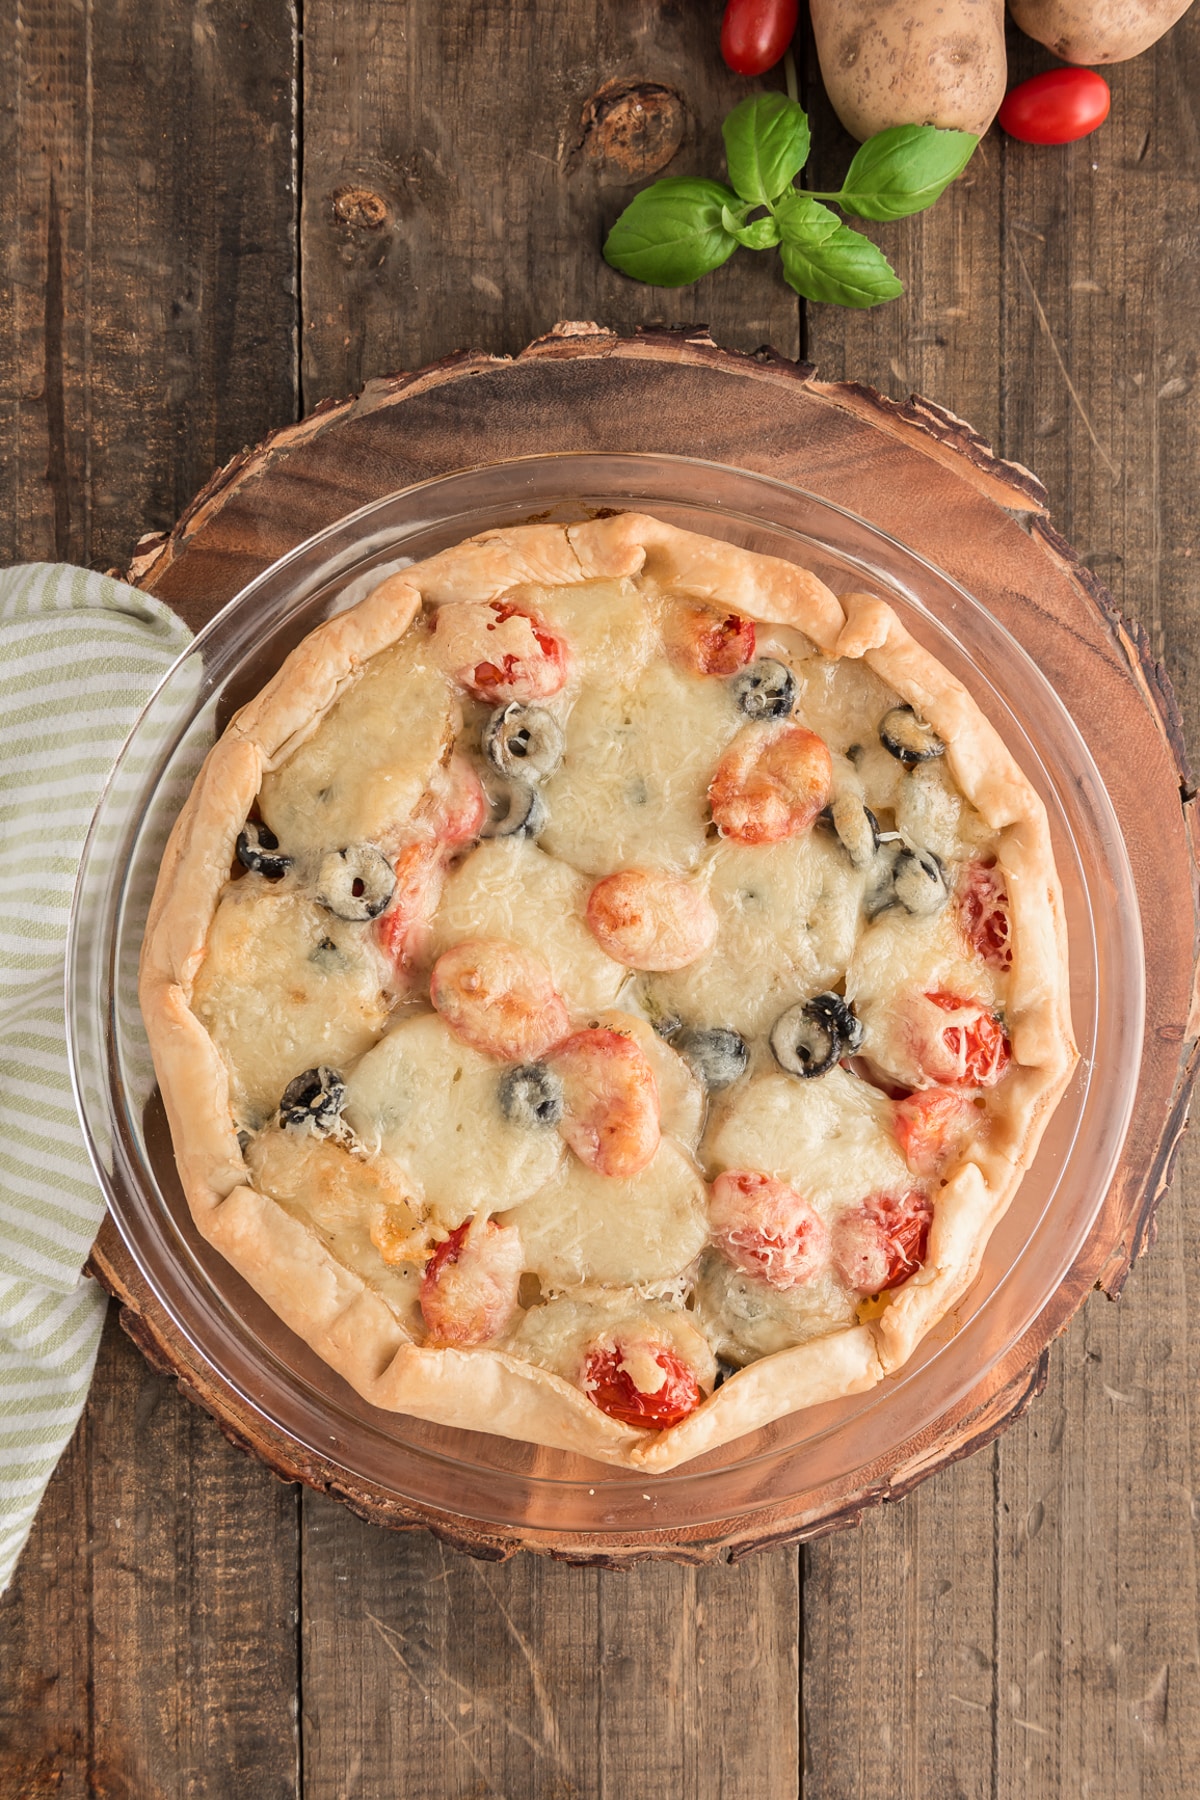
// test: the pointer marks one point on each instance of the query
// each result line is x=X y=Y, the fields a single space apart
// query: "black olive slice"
x=717 y=1056
x=909 y=739
x=804 y=1042
x=839 y=1016
x=355 y=883
x=531 y=1095
x=919 y=882
x=765 y=689
x=313 y=1100
x=258 y=851
x=523 y=742
x=517 y=811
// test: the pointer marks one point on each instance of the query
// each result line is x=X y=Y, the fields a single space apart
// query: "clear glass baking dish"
x=489 y=1479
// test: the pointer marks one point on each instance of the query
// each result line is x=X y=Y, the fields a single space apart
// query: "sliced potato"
x=587 y=1227
x=284 y=987
x=359 y=775
x=431 y=1105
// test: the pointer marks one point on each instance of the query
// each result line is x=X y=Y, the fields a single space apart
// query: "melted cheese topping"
x=430 y=1104
x=831 y=1139
x=425 y=1143
x=585 y=1227
x=362 y=772
x=284 y=987
x=632 y=791
x=788 y=919
x=512 y=890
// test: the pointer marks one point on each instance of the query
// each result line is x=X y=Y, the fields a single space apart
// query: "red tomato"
x=881 y=1243
x=983 y=914
x=404 y=928
x=927 y=1126
x=469 y=1287
x=766 y=1228
x=1057 y=107
x=755 y=34
x=977 y=1046
x=709 y=644
x=611 y=1387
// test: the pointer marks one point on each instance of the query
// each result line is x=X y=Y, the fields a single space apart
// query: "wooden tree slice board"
x=917 y=472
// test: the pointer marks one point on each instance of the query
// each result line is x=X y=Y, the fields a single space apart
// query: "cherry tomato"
x=404 y=929
x=928 y=1125
x=983 y=914
x=881 y=1243
x=755 y=34
x=1057 y=107
x=710 y=643
x=976 y=1047
x=765 y=1228
x=609 y=1385
x=469 y=1287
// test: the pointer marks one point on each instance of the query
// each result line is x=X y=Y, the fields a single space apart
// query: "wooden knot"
x=360 y=207
x=632 y=128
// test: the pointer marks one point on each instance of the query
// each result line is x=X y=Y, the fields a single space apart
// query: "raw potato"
x=912 y=62
x=1097 y=31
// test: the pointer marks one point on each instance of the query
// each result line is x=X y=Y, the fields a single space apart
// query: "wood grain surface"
x=1025 y=1623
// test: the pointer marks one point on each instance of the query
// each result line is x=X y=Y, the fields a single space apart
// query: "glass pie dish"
x=497 y=1482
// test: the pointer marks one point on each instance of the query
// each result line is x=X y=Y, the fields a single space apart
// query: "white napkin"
x=80 y=655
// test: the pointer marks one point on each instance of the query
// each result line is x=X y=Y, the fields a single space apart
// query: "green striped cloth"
x=79 y=656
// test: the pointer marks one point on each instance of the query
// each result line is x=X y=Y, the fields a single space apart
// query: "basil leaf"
x=904 y=170
x=760 y=234
x=766 y=146
x=671 y=233
x=825 y=260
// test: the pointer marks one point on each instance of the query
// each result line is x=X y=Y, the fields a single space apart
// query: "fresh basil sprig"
x=683 y=227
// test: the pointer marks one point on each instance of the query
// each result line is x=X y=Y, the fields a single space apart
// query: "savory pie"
x=605 y=990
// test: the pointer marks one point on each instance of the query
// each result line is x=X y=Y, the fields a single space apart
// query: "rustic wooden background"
x=213 y=216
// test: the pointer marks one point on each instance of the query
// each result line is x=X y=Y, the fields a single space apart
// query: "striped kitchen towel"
x=79 y=656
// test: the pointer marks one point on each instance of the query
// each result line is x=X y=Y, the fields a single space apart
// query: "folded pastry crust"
x=350 y=1321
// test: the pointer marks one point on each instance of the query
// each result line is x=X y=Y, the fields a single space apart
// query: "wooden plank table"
x=213 y=219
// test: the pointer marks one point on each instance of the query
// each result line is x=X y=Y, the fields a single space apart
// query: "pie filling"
x=612 y=982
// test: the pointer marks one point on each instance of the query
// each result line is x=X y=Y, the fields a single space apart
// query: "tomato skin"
x=984 y=916
x=1056 y=107
x=881 y=1243
x=468 y=1290
x=928 y=1125
x=756 y=34
x=766 y=1229
x=977 y=1043
x=611 y=1388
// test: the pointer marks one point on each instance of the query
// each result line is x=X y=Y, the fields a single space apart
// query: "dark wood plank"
x=193 y=1598
x=533 y=1678
x=1097 y=1682
x=149 y=261
x=462 y=164
x=150 y=311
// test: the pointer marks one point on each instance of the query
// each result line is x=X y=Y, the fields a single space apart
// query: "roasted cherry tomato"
x=928 y=1125
x=881 y=1243
x=1057 y=107
x=976 y=1046
x=469 y=1287
x=765 y=1228
x=756 y=34
x=609 y=1385
x=983 y=914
